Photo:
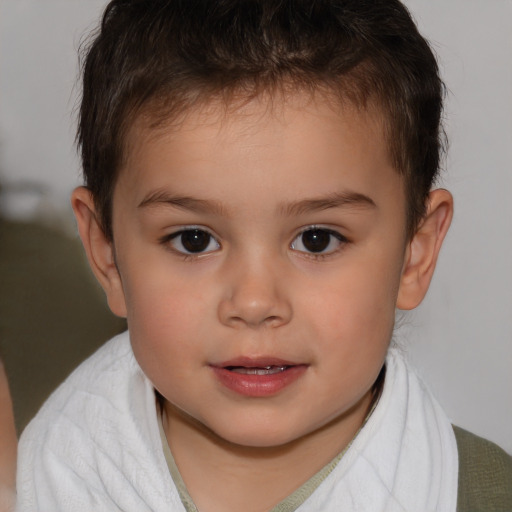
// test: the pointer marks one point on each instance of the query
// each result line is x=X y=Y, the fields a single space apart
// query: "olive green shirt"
x=485 y=475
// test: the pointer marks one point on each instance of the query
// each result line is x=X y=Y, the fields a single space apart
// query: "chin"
x=257 y=435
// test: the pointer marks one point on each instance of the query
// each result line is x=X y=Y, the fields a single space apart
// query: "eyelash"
x=168 y=241
x=324 y=231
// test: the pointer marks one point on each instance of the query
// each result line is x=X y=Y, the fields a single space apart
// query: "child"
x=257 y=205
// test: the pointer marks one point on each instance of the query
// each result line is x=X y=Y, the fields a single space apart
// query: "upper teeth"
x=267 y=370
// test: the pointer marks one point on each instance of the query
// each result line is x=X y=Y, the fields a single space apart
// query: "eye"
x=192 y=241
x=318 y=241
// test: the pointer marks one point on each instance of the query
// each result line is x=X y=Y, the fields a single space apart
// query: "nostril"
x=271 y=320
x=254 y=300
x=247 y=321
x=230 y=314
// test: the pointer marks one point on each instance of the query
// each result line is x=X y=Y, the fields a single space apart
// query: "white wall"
x=38 y=76
x=461 y=337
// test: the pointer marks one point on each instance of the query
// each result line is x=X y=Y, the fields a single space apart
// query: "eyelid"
x=176 y=230
x=179 y=230
x=342 y=241
x=323 y=227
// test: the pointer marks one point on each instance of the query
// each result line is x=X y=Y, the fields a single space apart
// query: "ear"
x=423 y=250
x=99 y=250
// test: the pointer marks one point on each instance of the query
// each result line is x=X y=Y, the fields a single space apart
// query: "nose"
x=254 y=295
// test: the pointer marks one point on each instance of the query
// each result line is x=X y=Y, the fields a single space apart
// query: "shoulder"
x=97 y=386
x=97 y=421
x=91 y=378
x=485 y=475
x=93 y=388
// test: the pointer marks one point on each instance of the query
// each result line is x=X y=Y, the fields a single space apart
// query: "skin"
x=8 y=445
x=255 y=179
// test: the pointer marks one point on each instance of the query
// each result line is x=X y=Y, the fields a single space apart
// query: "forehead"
x=221 y=109
x=218 y=144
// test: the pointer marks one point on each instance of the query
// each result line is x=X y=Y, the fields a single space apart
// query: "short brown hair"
x=171 y=54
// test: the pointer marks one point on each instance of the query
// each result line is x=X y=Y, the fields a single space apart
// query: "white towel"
x=95 y=447
x=405 y=458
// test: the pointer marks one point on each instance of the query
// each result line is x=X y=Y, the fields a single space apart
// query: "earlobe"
x=423 y=250
x=99 y=250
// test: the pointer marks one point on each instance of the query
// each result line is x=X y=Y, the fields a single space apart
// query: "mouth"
x=260 y=377
x=267 y=370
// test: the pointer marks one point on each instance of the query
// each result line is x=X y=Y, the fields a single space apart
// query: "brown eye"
x=318 y=241
x=193 y=241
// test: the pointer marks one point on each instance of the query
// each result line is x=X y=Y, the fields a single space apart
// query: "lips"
x=259 y=377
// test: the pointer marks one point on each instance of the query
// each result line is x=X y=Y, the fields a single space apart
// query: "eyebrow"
x=163 y=198
x=335 y=200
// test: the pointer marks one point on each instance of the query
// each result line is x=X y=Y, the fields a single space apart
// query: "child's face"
x=260 y=254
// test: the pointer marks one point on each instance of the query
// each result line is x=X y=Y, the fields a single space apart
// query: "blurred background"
x=52 y=314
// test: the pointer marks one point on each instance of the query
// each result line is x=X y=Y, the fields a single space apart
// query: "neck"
x=220 y=475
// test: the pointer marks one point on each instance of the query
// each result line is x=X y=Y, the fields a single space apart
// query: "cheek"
x=167 y=317
x=356 y=308
x=162 y=295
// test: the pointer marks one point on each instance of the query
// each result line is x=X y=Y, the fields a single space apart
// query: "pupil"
x=316 y=240
x=195 y=240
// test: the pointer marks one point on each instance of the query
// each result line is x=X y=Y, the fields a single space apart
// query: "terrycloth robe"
x=95 y=446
